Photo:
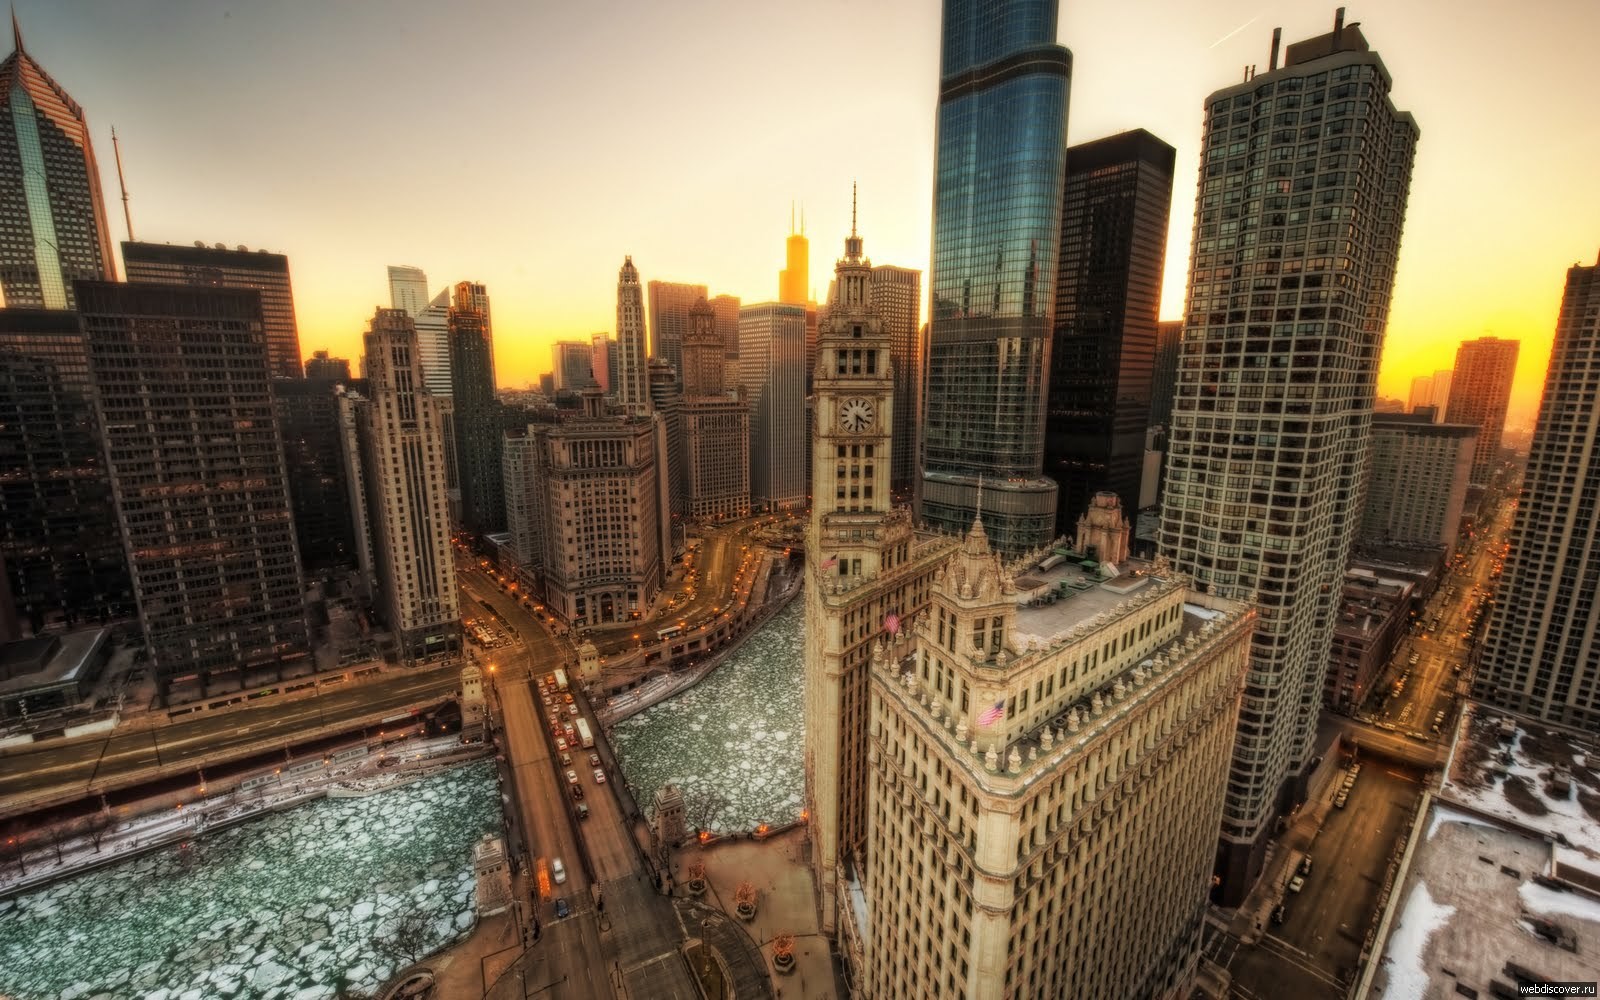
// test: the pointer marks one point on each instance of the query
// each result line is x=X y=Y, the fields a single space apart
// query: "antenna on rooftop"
x=127 y=214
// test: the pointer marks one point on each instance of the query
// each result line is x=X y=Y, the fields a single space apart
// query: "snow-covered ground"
x=283 y=908
x=738 y=734
x=1408 y=976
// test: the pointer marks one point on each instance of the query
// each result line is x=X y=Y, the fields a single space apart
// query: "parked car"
x=1295 y=884
x=1278 y=913
x=1305 y=865
x=599 y=776
x=1339 y=802
x=558 y=871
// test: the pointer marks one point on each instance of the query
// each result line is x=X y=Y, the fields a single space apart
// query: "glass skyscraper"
x=52 y=217
x=1001 y=157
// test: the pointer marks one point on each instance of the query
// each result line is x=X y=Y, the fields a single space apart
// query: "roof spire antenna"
x=852 y=208
x=978 y=516
x=791 y=216
x=127 y=214
x=16 y=29
x=802 y=218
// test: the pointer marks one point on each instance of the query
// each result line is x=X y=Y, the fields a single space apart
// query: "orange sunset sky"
x=532 y=145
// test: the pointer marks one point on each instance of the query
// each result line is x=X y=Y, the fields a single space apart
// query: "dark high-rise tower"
x=52 y=217
x=319 y=493
x=478 y=423
x=897 y=299
x=267 y=273
x=59 y=539
x=1102 y=357
x=1480 y=391
x=1169 y=337
x=1000 y=158
x=196 y=462
x=1542 y=652
x=1295 y=241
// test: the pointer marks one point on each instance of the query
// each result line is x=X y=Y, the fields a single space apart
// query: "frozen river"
x=737 y=736
x=283 y=908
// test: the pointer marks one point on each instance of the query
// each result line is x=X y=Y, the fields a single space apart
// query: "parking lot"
x=1315 y=951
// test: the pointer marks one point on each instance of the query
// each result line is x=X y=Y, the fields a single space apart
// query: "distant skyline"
x=533 y=147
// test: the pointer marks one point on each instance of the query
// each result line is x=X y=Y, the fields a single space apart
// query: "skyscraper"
x=475 y=411
x=794 y=281
x=1421 y=393
x=1542 y=652
x=59 y=539
x=603 y=361
x=1294 y=258
x=670 y=303
x=322 y=366
x=702 y=352
x=726 y=309
x=571 y=361
x=52 y=217
x=633 y=356
x=1000 y=159
x=408 y=288
x=219 y=267
x=396 y=464
x=308 y=418
x=1108 y=293
x=1169 y=337
x=1417 y=486
x=1480 y=390
x=772 y=371
x=897 y=299
x=184 y=397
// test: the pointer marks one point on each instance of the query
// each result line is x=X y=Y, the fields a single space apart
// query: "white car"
x=599 y=776
x=572 y=777
x=1297 y=883
x=558 y=871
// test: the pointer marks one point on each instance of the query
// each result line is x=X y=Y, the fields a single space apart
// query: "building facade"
x=1480 y=390
x=1044 y=785
x=396 y=470
x=322 y=366
x=866 y=570
x=726 y=310
x=1164 y=378
x=219 y=267
x=408 y=291
x=897 y=299
x=587 y=513
x=670 y=302
x=52 y=217
x=475 y=411
x=1417 y=486
x=183 y=392
x=1372 y=620
x=772 y=345
x=999 y=162
x=716 y=445
x=1108 y=293
x=1431 y=390
x=603 y=361
x=60 y=543
x=1289 y=287
x=319 y=492
x=633 y=354
x=1541 y=656
x=571 y=361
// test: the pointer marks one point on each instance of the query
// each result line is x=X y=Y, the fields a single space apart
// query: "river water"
x=288 y=907
x=737 y=737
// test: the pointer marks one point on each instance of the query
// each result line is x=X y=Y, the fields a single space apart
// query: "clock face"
x=855 y=414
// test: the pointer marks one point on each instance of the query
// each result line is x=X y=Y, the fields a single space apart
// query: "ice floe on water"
x=736 y=736
x=283 y=908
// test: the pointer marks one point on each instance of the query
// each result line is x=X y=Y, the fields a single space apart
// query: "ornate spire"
x=853 y=243
x=16 y=30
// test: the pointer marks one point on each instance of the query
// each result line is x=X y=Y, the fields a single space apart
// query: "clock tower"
x=853 y=387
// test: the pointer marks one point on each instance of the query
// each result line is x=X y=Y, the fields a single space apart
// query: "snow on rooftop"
x=1207 y=613
x=1408 y=977
x=1521 y=780
x=1444 y=814
x=1550 y=902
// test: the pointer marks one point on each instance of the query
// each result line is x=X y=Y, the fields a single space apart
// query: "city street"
x=57 y=768
x=1315 y=951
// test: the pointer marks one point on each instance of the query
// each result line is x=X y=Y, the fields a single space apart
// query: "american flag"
x=830 y=562
x=891 y=624
x=992 y=715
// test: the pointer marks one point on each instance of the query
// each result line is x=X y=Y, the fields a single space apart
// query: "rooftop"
x=1477 y=905
x=1053 y=601
x=1527 y=775
x=24 y=668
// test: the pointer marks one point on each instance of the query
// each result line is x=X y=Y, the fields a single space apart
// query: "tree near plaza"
x=405 y=940
x=701 y=807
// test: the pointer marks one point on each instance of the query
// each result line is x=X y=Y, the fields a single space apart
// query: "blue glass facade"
x=1001 y=144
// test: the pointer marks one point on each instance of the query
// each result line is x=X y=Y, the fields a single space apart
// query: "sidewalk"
x=785 y=903
x=1250 y=921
